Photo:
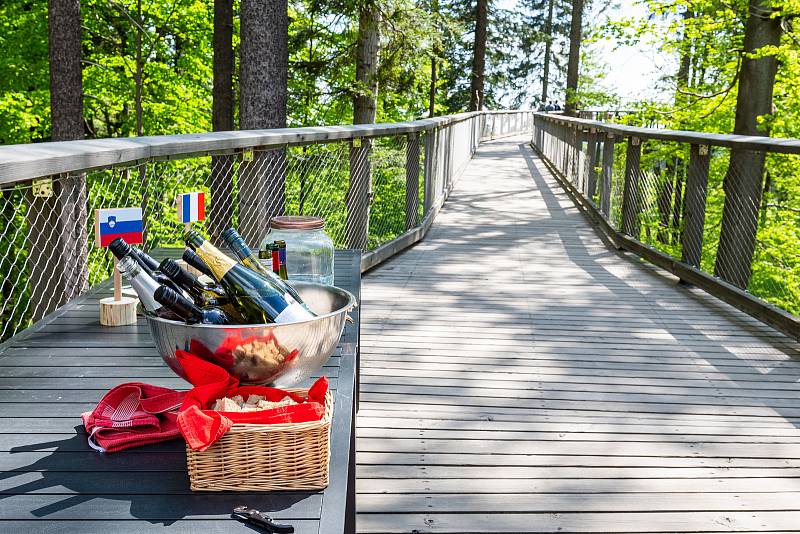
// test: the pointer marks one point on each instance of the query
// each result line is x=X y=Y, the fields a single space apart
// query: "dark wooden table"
x=51 y=481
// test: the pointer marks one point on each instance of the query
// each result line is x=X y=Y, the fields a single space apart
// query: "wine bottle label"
x=218 y=262
x=292 y=313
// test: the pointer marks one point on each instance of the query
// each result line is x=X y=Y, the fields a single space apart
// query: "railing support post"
x=694 y=211
x=630 y=192
x=591 y=163
x=412 y=180
x=575 y=160
x=430 y=153
x=608 y=169
x=359 y=195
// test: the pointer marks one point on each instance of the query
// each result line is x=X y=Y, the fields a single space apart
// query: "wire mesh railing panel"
x=753 y=224
x=659 y=179
x=317 y=183
x=776 y=263
x=387 y=218
x=617 y=185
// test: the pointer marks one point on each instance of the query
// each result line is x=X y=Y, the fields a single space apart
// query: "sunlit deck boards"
x=517 y=375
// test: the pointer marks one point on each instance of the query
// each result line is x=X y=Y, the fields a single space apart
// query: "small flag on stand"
x=191 y=207
x=111 y=223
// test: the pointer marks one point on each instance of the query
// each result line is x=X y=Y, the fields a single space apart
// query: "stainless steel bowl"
x=280 y=354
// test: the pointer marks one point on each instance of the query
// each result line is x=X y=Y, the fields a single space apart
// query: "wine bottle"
x=145 y=259
x=120 y=248
x=276 y=260
x=258 y=299
x=144 y=285
x=189 y=282
x=249 y=260
x=282 y=272
x=191 y=258
x=265 y=257
x=212 y=295
x=186 y=310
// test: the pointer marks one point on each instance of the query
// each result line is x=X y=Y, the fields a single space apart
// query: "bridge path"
x=520 y=376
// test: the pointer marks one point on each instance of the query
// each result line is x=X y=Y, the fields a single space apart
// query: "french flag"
x=191 y=207
x=112 y=223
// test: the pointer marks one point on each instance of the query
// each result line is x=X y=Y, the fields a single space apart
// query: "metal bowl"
x=280 y=354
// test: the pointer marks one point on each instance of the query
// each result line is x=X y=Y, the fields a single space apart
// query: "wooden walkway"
x=520 y=376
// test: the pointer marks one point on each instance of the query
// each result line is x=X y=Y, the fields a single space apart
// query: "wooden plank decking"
x=520 y=376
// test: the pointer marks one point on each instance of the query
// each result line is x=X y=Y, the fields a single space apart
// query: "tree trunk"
x=57 y=237
x=367 y=48
x=743 y=183
x=434 y=57
x=220 y=213
x=432 y=91
x=264 y=64
x=571 y=103
x=548 y=45
x=478 y=56
x=685 y=60
x=365 y=103
x=66 y=77
x=139 y=75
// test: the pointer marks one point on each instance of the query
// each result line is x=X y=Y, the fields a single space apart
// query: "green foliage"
x=24 y=79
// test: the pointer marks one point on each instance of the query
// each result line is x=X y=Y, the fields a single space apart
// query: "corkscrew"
x=254 y=517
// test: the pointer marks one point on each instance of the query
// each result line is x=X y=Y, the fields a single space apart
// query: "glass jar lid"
x=297 y=222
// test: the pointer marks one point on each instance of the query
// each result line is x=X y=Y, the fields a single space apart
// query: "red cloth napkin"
x=131 y=415
x=202 y=427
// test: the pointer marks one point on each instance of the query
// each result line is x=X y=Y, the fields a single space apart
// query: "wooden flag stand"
x=117 y=310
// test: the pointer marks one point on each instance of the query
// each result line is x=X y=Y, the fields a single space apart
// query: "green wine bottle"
x=258 y=299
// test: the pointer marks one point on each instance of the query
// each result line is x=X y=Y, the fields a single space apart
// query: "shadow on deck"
x=518 y=375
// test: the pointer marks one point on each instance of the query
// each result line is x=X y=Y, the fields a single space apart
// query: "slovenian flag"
x=118 y=222
x=191 y=207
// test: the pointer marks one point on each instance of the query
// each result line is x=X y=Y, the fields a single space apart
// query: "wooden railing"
x=719 y=211
x=379 y=187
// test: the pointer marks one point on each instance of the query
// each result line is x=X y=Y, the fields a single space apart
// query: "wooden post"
x=576 y=145
x=694 y=211
x=631 y=187
x=358 y=195
x=591 y=163
x=606 y=174
x=117 y=281
x=429 y=147
x=412 y=180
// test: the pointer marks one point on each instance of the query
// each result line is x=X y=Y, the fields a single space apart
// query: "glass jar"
x=309 y=250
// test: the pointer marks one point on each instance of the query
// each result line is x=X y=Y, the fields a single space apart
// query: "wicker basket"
x=291 y=456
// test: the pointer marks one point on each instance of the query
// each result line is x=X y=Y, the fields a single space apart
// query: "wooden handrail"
x=28 y=161
x=749 y=142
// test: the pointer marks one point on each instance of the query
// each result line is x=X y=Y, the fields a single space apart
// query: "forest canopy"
x=426 y=48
